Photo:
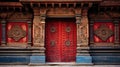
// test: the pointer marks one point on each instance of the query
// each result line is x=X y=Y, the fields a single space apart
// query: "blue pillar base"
x=37 y=59
x=84 y=59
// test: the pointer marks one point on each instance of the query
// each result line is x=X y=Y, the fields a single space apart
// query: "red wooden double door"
x=60 y=40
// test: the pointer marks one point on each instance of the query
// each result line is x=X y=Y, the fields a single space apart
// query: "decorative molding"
x=15 y=15
x=60 y=12
x=16 y=33
x=103 y=32
x=107 y=15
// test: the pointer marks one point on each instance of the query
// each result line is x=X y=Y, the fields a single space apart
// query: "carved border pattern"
x=103 y=32
x=16 y=33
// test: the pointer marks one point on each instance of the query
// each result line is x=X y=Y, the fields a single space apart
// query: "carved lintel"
x=60 y=12
x=19 y=15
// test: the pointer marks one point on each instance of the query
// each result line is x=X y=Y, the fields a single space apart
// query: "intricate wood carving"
x=108 y=15
x=38 y=32
x=15 y=15
x=16 y=33
x=58 y=12
x=103 y=32
x=82 y=30
x=20 y=15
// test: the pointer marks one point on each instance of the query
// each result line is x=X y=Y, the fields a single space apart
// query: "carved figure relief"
x=16 y=33
x=82 y=31
x=38 y=31
x=103 y=32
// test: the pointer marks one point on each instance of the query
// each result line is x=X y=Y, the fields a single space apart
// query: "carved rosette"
x=16 y=33
x=103 y=32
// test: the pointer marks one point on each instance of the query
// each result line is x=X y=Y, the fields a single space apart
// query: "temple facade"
x=60 y=31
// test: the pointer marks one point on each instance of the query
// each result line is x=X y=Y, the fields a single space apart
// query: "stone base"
x=37 y=60
x=14 y=59
x=84 y=60
x=106 y=59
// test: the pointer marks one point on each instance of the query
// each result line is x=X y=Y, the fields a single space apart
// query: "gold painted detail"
x=16 y=33
x=68 y=29
x=67 y=43
x=103 y=32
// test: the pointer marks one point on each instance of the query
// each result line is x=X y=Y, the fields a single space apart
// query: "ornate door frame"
x=81 y=22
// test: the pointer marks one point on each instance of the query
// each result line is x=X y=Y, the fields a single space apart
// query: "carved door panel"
x=60 y=41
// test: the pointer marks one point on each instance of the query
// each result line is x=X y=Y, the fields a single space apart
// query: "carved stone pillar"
x=83 y=40
x=116 y=32
x=3 y=33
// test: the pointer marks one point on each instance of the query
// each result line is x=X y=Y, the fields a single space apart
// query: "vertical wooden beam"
x=91 y=33
x=3 y=32
x=29 y=34
x=116 y=33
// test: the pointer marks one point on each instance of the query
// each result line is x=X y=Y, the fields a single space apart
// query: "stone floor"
x=60 y=66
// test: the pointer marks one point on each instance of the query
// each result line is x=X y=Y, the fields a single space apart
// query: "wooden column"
x=91 y=33
x=29 y=34
x=3 y=33
x=116 y=32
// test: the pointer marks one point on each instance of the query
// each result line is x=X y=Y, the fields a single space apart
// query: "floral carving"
x=16 y=33
x=103 y=32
